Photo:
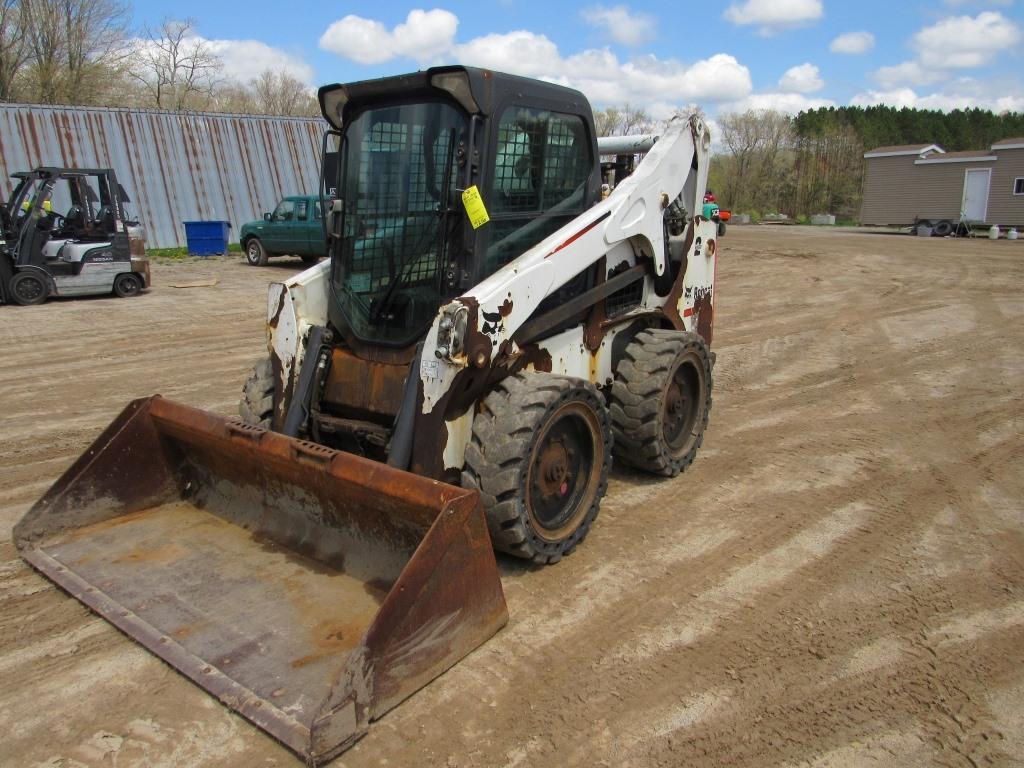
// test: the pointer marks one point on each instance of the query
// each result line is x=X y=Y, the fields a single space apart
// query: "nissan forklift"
x=91 y=248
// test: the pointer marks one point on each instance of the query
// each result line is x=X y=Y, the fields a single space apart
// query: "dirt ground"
x=838 y=580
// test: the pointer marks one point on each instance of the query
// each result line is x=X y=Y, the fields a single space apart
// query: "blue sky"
x=724 y=56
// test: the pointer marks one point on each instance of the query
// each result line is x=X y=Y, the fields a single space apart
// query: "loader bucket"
x=308 y=589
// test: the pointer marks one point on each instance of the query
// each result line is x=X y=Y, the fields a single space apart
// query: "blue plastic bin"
x=205 y=238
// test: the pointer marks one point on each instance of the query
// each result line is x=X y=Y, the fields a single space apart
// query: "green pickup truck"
x=295 y=228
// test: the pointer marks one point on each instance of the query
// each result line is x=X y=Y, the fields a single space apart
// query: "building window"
x=1018 y=186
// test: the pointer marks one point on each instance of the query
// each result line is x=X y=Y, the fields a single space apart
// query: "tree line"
x=87 y=53
x=769 y=162
x=814 y=162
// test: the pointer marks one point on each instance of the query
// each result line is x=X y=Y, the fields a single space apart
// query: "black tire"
x=255 y=253
x=257 y=404
x=28 y=288
x=539 y=456
x=310 y=259
x=127 y=284
x=721 y=229
x=943 y=228
x=661 y=400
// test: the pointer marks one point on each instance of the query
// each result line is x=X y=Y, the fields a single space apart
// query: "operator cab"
x=408 y=148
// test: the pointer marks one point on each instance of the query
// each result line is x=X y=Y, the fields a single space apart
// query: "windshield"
x=399 y=168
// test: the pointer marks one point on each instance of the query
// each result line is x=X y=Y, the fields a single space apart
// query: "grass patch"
x=180 y=253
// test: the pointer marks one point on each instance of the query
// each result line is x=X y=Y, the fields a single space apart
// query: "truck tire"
x=27 y=288
x=539 y=456
x=943 y=228
x=310 y=259
x=661 y=400
x=255 y=253
x=257 y=404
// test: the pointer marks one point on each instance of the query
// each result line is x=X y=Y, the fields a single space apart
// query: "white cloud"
x=238 y=60
x=965 y=93
x=245 y=59
x=853 y=43
x=773 y=15
x=907 y=73
x=960 y=42
x=805 y=78
x=423 y=37
x=790 y=103
x=659 y=85
x=603 y=77
x=621 y=25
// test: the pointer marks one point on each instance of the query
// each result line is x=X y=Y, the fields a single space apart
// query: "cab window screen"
x=541 y=169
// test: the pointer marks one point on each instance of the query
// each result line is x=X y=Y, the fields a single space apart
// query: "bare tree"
x=757 y=145
x=176 y=67
x=14 y=49
x=279 y=93
x=72 y=45
x=622 y=121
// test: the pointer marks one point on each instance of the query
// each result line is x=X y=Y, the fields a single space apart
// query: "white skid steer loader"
x=489 y=332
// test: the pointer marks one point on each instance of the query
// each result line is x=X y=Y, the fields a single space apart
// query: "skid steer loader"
x=490 y=330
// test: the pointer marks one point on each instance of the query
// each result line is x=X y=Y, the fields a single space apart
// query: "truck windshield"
x=399 y=168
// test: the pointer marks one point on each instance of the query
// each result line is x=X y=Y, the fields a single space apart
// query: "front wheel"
x=540 y=455
x=721 y=228
x=28 y=288
x=661 y=400
x=128 y=284
x=255 y=253
x=257 y=404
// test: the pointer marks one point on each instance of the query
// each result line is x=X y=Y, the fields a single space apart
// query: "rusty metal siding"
x=175 y=166
x=1004 y=207
x=897 y=191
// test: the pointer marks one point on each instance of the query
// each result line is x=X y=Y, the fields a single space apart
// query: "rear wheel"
x=661 y=400
x=540 y=455
x=128 y=284
x=721 y=228
x=255 y=253
x=28 y=288
x=257 y=404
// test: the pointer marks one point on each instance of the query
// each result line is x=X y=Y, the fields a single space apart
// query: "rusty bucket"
x=308 y=589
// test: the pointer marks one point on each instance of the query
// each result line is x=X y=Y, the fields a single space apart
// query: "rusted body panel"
x=308 y=589
x=364 y=386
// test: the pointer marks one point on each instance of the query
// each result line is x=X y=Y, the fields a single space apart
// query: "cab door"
x=279 y=234
x=303 y=227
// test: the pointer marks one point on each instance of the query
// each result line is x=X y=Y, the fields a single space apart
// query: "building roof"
x=900 y=148
x=1018 y=140
x=967 y=156
x=903 y=149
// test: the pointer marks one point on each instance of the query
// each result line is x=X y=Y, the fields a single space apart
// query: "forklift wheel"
x=27 y=288
x=127 y=285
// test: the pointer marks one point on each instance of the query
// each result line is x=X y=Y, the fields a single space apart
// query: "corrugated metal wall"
x=175 y=166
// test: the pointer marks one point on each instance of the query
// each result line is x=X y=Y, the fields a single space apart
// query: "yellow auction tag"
x=475 y=207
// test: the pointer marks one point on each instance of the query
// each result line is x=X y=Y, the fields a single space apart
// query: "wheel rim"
x=683 y=402
x=128 y=286
x=253 y=253
x=564 y=471
x=29 y=289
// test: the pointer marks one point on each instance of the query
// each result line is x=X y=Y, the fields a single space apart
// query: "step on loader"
x=493 y=328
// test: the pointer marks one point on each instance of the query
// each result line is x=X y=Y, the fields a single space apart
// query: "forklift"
x=92 y=248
